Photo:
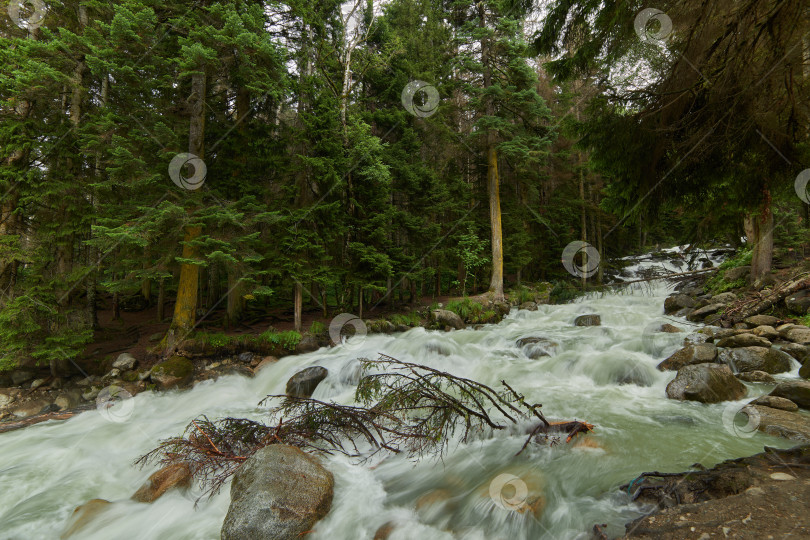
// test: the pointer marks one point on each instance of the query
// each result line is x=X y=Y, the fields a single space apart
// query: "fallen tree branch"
x=747 y=308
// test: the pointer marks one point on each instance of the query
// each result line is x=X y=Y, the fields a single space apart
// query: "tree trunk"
x=236 y=302
x=298 y=302
x=496 y=283
x=185 y=307
x=762 y=256
x=583 y=218
x=161 y=308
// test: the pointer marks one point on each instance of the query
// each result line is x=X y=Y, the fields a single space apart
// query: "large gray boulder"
x=303 y=383
x=796 y=391
x=279 y=493
x=756 y=359
x=706 y=383
x=444 y=317
x=697 y=353
x=796 y=334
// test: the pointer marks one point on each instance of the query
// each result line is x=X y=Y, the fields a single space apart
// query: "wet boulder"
x=280 y=492
x=537 y=347
x=799 y=352
x=444 y=317
x=724 y=298
x=677 y=302
x=169 y=477
x=697 y=353
x=669 y=329
x=83 y=515
x=796 y=334
x=706 y=383
x=175 y=372
x=775 y=402
x=591 y=319
x=701 y=313
x=796 y=391
x=755 y=377
x=303 y=383
x=529 y=306
x=789 y=425
x=757 y=359
x=743 y=340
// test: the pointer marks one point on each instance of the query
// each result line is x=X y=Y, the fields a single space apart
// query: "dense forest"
x=227 y=157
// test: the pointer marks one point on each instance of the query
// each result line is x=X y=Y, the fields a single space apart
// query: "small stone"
x=782 y=476
x=37 y=383
x=588 y=320
x=753 y=490
x=124 y=362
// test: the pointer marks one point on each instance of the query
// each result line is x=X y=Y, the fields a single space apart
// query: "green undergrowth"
x=718 y=284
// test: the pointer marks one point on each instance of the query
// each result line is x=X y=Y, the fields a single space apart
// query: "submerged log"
x=38 y=418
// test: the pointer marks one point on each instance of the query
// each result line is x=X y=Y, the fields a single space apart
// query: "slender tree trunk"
x=236 y=301
x=583 y=217
x=185 y=307
x=161 y=301
x=298 y=302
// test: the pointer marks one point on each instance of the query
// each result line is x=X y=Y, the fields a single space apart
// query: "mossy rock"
x=130 y=376
x=172 y=373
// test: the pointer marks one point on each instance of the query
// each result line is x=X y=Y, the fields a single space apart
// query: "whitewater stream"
x=604 y=375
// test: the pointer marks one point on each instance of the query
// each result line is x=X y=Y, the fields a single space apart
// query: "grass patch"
x=288 y=339
x=411 y=318
x=316 y=328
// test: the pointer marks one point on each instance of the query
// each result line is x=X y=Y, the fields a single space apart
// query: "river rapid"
x=604 y=375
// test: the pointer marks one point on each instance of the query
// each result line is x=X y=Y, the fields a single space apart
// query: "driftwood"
x=38 y=418
x=666 y=276
x=760 y=303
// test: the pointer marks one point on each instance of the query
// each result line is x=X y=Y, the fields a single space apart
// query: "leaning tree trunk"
x=298 y=302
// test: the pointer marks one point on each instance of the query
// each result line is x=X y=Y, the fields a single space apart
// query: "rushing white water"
x=48 y=469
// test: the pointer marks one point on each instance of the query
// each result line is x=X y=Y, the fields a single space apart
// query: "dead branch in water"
x=404 y=408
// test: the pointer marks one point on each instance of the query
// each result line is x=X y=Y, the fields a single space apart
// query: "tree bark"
x=762 y=257
x=298 y=305
x=493 y=187
x=185 y=307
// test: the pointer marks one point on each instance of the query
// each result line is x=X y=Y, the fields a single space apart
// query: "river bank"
x=605 y=375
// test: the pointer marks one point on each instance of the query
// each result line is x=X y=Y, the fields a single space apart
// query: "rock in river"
x=280 y=492
x=796 y=391
x=303 y=383
x=757 y=359
x=174 y=372
x=444 y=317
x=588 y=320
x=698 y=353
x=706 y=383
